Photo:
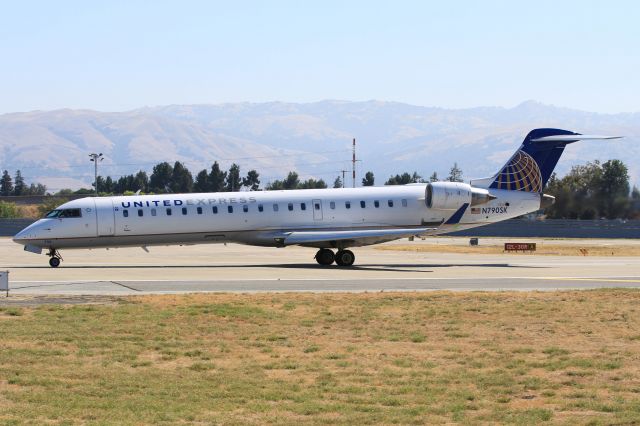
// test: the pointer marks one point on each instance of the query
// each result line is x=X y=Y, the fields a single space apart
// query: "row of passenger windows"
x=276 y=207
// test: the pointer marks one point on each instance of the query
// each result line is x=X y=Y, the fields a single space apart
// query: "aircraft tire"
x=54 y=262
x=345 y=258
x=325 y=257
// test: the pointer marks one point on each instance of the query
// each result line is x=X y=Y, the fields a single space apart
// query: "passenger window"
x=215 y=209
x=199 y=210
x=390 y=203
x=317 y=206
x=245 y=208
x=347 y=204
x=168 y=212
x=140 y=212
x=290 y=207
x=363 y=204
x=303 y=206
x=332 y=205
x=125 y=213
x=230 y=209
x=275 y=207
x=376 y=204
x=153 y=212
x=404 y=202
x=184 y=210
x=260 y=208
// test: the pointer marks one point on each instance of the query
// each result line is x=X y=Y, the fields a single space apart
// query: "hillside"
x=314 y=138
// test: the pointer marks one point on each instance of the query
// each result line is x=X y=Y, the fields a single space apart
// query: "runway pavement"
x=235 y=268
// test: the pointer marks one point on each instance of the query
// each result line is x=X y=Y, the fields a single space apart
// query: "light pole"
x=95 y=158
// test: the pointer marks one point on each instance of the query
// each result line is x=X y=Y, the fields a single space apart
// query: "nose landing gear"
x=341 y=258
x=55 y=260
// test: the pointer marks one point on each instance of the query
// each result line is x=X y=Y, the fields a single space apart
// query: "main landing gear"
x=341 y=257
x=55 y=260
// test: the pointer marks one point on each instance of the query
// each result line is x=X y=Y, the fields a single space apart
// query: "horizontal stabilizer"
x=307 y=237
x=572 y=138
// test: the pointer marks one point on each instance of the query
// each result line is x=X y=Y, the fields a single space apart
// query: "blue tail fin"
x=531 y=166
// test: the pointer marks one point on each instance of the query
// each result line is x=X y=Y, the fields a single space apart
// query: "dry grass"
x=546 y=249
x=526 y=358
x=29 y=211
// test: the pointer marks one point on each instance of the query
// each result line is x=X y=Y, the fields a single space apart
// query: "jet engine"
x=452 y=195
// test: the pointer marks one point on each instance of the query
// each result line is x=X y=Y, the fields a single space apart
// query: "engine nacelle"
x=452 y=195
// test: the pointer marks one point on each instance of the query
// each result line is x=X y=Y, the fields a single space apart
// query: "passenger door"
x=105 y=217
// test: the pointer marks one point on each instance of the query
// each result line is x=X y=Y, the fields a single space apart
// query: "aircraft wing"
x=360 y=237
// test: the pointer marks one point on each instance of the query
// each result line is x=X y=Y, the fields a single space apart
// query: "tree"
x=455 y=174
x=216 y=178
x=6 y=184
x=276 y=185
x=635 y=193
x=107 y=186
x=36 y=189
x=591 y=191
x=233 y=182
x=433 y=177
x=337 y=183
x=368 y=179
x=19 y=185
x=181 y=179
x=291 y=181
x=202 y=181
x=252 y=181
x=404 y=179
x=160 y=180
x=124 y=184
x=312 y=184
x=141 y=182
x=614 y=188
x=99 y=182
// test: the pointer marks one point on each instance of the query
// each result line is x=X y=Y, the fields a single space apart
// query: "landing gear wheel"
x=55 y=260
x=345 y=258
x=325 y=257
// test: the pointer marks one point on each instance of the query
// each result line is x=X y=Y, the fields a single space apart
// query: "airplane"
x=326 y=219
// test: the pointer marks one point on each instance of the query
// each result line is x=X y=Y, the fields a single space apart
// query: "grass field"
x=525 y=358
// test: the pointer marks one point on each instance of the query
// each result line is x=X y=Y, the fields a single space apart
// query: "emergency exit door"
x=317 y=209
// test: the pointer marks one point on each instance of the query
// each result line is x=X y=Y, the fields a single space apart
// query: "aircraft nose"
x=19 y=237
x=30 y=232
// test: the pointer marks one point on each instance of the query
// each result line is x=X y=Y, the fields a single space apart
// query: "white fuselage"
x=261 y=217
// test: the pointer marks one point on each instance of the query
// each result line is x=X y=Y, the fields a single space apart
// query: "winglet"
x=573 y=138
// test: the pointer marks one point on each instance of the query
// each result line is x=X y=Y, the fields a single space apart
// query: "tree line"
x=17 y=186
x=590 y=191
x=176 y=178
x=593 y=191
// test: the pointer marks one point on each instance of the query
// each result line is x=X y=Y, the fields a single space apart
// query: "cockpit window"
x=64 y=213
x=52 y=213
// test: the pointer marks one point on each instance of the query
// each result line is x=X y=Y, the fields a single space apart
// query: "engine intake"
x=451 y=195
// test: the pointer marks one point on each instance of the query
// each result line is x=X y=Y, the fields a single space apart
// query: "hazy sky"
x=118 y=55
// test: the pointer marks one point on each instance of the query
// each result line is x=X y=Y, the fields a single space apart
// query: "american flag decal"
x=475 y=210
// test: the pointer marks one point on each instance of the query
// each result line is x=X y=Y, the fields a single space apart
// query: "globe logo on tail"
x=521 y=173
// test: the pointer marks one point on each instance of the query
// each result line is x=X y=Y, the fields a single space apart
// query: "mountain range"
x=314 y=139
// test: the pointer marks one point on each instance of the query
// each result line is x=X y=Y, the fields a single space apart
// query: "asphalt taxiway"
x=235 y=268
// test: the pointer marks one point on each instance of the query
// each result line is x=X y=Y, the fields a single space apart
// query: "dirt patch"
x=543 y=249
